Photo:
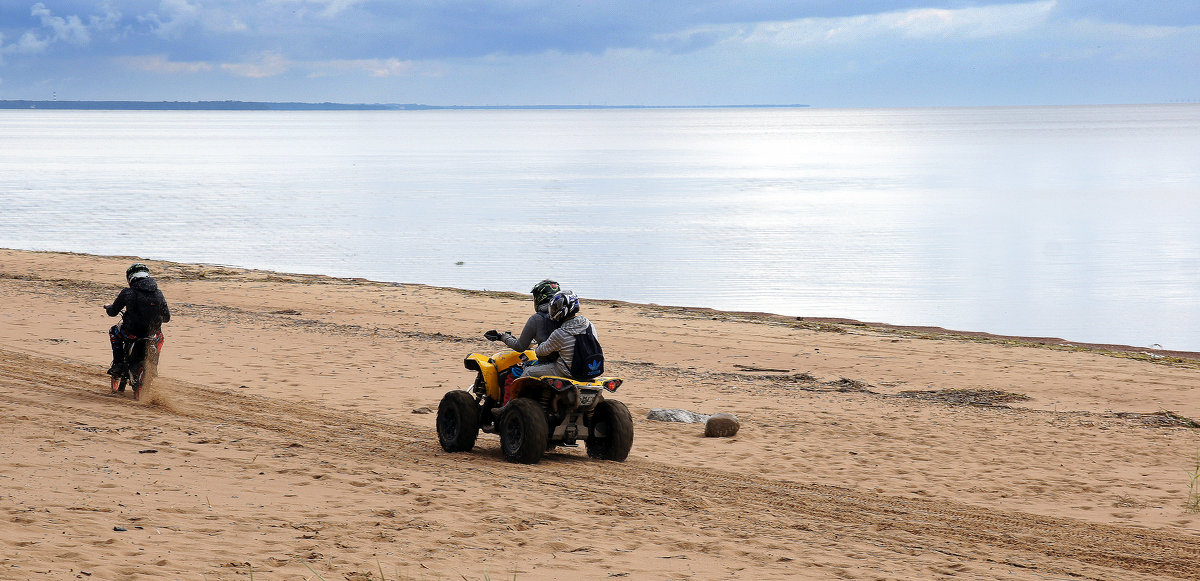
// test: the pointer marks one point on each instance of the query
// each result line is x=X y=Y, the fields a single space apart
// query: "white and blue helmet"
x=563 y=306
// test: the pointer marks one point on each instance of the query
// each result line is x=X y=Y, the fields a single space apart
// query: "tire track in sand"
x=756 y=511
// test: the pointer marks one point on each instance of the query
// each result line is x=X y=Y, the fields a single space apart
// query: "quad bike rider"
x=539 y=326
x=138 y=336
x=536 y=400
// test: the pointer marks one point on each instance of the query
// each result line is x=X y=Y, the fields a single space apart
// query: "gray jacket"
x=562 y=341
x=537 y=328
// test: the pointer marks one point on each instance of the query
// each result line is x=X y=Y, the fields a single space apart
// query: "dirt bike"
x=139 y=362
x=533 y=414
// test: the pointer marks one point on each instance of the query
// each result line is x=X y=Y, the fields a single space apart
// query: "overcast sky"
x=826 y=53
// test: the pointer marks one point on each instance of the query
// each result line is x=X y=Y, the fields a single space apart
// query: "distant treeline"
x=271 y=106
x=195 y=106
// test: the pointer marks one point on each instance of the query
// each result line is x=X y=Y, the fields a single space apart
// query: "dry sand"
x=281 y=441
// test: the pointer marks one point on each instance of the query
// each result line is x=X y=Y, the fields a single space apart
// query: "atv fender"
x=522 y=384
x=491 y=367
x=487 y=368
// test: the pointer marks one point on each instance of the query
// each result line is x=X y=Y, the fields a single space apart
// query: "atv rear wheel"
x=523 y=431
x=611 y=434
x=457 y=421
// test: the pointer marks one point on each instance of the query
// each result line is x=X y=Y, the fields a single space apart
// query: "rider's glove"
x=492 y=335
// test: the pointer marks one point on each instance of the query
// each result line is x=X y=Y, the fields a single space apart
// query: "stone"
x=675 y=415
x=721 y=426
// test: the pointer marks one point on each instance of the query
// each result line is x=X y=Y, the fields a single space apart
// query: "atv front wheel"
x=523 y=431
x=457 y=421
x=611 y=434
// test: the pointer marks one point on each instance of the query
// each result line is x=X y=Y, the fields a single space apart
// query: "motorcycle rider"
x=555 y=354
x=145 y=310
x=539 y=326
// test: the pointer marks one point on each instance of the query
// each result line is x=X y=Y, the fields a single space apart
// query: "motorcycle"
x=533 y=414
x=139 y=362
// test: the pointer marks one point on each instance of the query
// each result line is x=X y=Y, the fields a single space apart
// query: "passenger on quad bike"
x=145 y=310
x=539 y=326
x=540 y=399
x=574 y=338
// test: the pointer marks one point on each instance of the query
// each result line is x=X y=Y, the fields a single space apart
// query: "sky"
x=823 y=53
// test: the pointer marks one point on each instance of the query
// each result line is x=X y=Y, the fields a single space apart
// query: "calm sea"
x=1076 y=222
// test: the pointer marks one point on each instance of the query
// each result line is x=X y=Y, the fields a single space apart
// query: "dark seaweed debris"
x=1161 y=419
x=982 y=397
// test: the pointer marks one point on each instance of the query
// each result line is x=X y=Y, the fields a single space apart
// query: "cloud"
x=172 y=18
x=648 y=51
x=51 y=29
x=271 y=64
x=695 y=39
x=923 y=23
x=69 y=29
x=358 y=29
x=268 y=64
x=161 y=64
x=390 y=67
x=29 y=43
x=328 y=8
x=175 y=19
x=1173 y=13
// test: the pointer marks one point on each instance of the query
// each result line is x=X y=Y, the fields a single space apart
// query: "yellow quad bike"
x=533 y=414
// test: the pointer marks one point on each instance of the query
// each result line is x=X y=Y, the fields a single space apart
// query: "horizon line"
x=231 y=104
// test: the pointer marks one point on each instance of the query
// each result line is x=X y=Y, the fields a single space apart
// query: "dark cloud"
x=467 y=28
x=681 y=52
x=332 y=29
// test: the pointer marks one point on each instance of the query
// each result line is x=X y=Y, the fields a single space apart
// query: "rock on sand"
x=676 y=415
x=721 y=426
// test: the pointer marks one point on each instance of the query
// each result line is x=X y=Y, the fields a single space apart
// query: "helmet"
x=544 y=291
x=136 y=270
x=563 y=306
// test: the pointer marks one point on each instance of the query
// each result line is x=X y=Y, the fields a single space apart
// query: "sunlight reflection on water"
x=1076 y=222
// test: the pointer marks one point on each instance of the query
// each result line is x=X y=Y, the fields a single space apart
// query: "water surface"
x=1075 y=222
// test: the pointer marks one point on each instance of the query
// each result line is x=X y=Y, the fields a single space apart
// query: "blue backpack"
x=588 y=360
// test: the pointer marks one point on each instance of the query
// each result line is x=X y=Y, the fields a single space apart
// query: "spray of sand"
x=154 y=392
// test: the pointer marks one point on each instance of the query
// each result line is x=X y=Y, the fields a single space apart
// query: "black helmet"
x=134 y=269
x=544 y=291
x=563 y=306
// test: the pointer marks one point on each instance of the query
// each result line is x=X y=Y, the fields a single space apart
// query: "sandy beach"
x=288 y=436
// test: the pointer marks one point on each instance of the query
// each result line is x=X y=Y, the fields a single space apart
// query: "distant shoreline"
x=294 y=106
x=817 y=323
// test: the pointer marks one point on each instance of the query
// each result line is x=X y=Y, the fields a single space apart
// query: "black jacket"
x=145 y=307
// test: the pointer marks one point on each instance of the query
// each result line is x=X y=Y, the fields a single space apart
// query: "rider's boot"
x=116 y=370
